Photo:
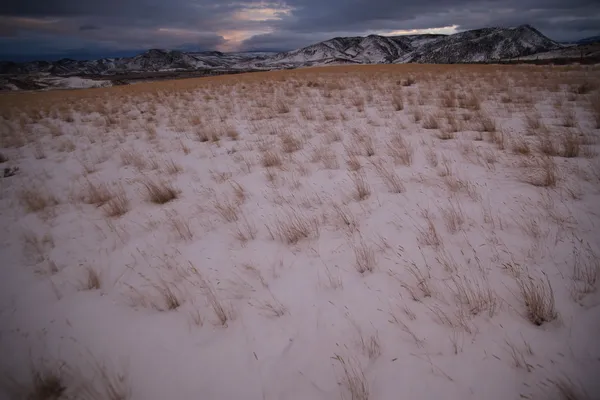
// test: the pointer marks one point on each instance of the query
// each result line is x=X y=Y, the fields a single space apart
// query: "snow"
x=74 y=82
x=291 y=308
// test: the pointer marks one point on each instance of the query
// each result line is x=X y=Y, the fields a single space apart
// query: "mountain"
x=483 y=45
x=480 y=45
x=153 y=60
x=589 y=40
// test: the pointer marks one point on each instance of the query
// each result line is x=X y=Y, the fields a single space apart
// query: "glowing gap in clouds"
x=261 y=13
x=233 y=39
x=444 y=30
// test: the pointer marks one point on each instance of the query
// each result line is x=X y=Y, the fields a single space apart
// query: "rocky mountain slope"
x=479 y=45
x=151 y=60
x=482 y=45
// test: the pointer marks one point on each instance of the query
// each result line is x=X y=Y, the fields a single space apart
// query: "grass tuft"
x=159 y=191
x=538 y=298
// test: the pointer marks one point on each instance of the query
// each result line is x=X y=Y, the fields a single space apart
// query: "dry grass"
x=207 y=134
x=431 y=156
x=518 y=357
x=485 y=123
x=294 y=226
x=595 y=110
x=470 y=102
x=422 y=285
x=133 y=158
x=38 y=247
x=118 y=205
x=270 y=158
x=520 y=146
x=371 y=346
x=364 y=255
x=445 y=134
x=569 y=118
x=361 y=188
x=97 y=194
x=547 y=146
x=568 y=390
x=290 y=143
x=353 y=162
x=398 y=101
x=227 y=208
x=245 y=230
x=346 y=216
x=326 y=156
x=533 y=123
x=570 y=145
x=428 y=235
x=38 y=152
x=586 y=272
x=400 y=150
x=542 y=173
x=431 y=122
x=362 y=144
x=93 y=280
x=453 y=217
x=165 y=295
x=538 y=297
x=36 y=199
x=181 y=227
x=114 y=385
x=389 y=177
x=475 y=295
x=47 y=381
x=354 y=379
x=159 y=191
x=172 y=168
x=411 y=80
x=223 y=314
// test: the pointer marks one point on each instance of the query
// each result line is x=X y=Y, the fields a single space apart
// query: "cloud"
x=88 y=27
x=57 y=25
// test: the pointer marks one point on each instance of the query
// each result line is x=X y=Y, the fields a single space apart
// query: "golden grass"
x=43 y=100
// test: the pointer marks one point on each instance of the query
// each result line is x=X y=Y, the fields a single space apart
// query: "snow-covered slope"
x=471 y=46
x=210 y=244
x=365 y=50
x=591 y=50
x=482 y=45
x=149 y=61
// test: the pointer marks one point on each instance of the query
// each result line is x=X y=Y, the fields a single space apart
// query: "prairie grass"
x=37 y=199
x=293 y=226
x=118 y=204
x=354 y=380
x=159 y=191
x=538 y=298
x=361 y=188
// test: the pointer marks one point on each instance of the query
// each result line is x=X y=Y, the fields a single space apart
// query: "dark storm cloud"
x=56 y=25
x=360 y=15
x=88 y=27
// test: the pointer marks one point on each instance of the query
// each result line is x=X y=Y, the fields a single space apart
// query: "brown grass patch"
x=159 y=191
x=34 y=200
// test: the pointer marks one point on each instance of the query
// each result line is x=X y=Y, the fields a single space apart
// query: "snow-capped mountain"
x=481 y=45
x=149 y=61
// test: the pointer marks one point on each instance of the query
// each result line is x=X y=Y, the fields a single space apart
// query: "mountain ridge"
x=478 y=45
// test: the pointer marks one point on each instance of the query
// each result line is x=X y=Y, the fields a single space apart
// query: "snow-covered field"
x=373 y=232
x=46 y=81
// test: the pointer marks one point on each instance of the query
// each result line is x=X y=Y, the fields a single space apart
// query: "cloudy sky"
x=41 y=29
